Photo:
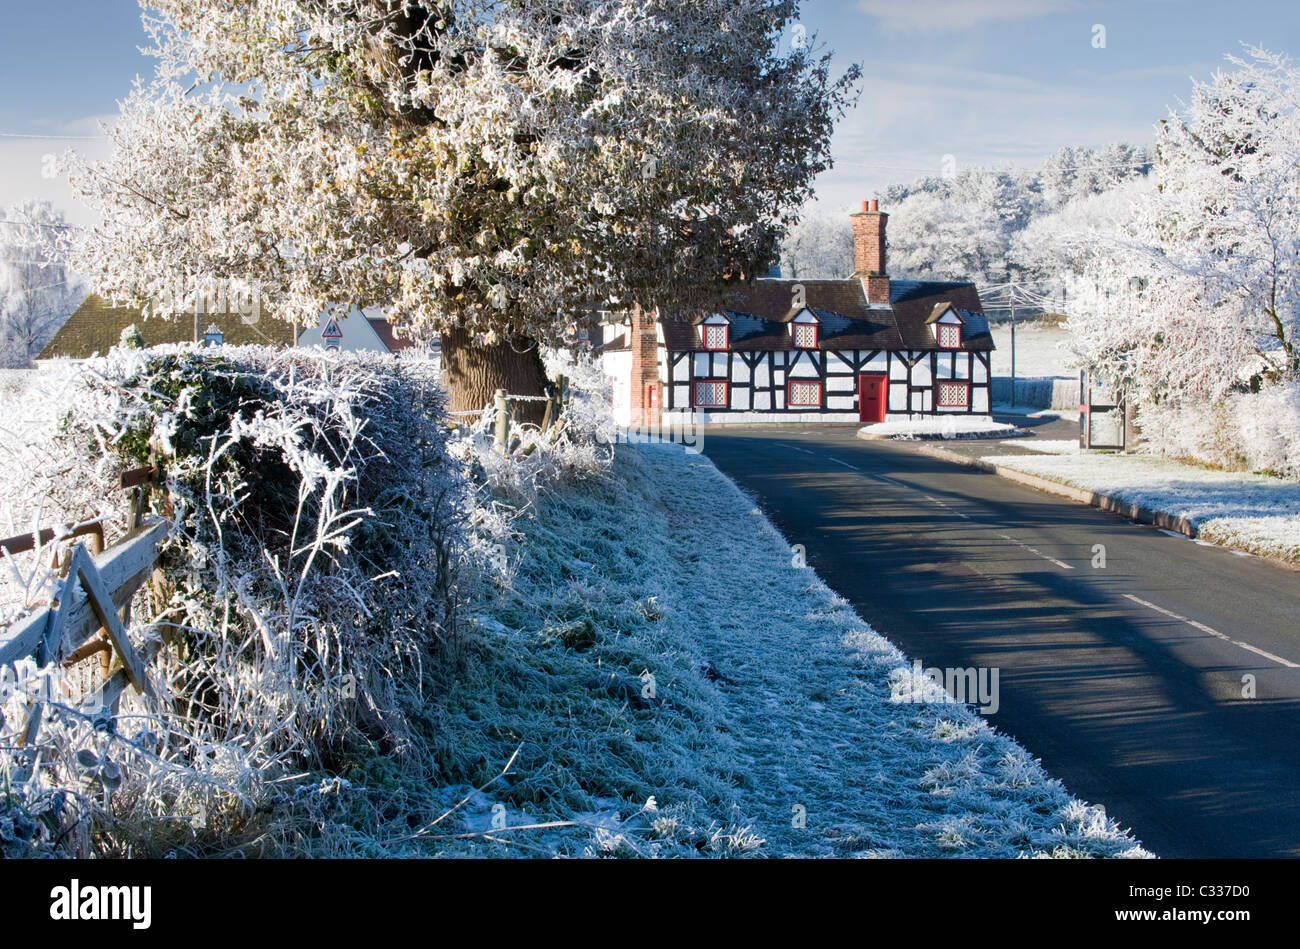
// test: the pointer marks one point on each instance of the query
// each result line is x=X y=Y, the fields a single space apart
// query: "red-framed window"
x=805 y=335
x=710 y=393
x=951 y=394
x=949 y=335
x=716 y=335
x=803 y=394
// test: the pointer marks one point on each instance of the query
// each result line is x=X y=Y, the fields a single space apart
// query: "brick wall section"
x=645 y=369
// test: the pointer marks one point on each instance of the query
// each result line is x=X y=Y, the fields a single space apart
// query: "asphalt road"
x=1126 y=679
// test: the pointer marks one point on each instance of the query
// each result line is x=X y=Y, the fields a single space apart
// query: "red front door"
x=871 y=397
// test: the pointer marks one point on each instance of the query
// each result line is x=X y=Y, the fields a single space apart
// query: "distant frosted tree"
x=1057 y=245
x=934 y=236
x=37 y=289
x=819 y=247
x=976 y=224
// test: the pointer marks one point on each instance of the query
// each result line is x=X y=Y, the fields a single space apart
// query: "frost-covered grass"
x=1248 y=511
x=1047 y=446
x=771 y=697
x=940 y=426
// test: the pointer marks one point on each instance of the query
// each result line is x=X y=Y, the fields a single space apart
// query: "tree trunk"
x=472 y=373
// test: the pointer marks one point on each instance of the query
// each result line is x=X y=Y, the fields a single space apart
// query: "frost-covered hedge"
x=312 y=570
x=1256 y=431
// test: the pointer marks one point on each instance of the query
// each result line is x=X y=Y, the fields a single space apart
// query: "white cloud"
x=946 y=16
x=907 y=122
x=25 y=164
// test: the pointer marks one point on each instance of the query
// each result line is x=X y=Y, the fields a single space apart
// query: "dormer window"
x=949 y=335
x=716 y=335
x=805 y=335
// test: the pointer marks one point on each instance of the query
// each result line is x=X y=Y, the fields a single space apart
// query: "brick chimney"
x=646 y=394
x=869 y=251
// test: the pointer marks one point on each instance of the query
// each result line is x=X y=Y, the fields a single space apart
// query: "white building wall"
x=802 y=366
x=840 y=392
x=618 y=370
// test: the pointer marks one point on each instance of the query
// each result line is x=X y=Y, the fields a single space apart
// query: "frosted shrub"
x=1259 y=431
x=312 y=569
x=1269 y=423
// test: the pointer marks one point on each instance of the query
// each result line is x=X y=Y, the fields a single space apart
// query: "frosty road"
x=1129 y=679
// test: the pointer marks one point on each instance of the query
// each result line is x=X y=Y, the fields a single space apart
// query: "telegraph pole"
x=1012 y=289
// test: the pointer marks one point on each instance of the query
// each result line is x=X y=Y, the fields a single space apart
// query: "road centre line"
x=1214 y=632
x=1038 y=553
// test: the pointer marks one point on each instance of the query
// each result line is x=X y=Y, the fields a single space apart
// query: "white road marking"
x=844 y=463
x=1214 y=632
x=797 y=448
x=1038 y=553
x=944 y=505
x=1173 y=534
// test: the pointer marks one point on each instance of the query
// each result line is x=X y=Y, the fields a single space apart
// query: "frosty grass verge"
x=945 y=426
x=1251 y=512
x=1047 y=446
x=770 y=697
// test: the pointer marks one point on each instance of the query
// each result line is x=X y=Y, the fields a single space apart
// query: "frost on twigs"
x=577 y=443
x=311 y=571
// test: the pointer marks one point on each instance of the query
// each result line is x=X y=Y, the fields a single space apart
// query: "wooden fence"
x=504 y=418
x=92 y=610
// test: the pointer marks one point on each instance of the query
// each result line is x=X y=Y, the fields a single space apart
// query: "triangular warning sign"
x=331 y=330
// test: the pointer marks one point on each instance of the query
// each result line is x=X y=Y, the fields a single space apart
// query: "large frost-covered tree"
x=488 y=169
x=37 y=289
x=1198 y=291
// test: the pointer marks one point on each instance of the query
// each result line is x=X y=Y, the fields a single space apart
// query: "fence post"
x=502 y=433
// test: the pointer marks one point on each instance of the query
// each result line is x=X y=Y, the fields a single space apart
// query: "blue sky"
x=986 y=81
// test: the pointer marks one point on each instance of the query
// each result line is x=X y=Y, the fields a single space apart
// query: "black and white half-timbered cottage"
x=860 y=349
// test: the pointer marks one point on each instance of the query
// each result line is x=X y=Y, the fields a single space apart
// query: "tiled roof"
x=760 y=313
x=96 y=327
x=384 y=330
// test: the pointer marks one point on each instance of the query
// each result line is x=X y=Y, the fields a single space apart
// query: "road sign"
x=332 y=334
